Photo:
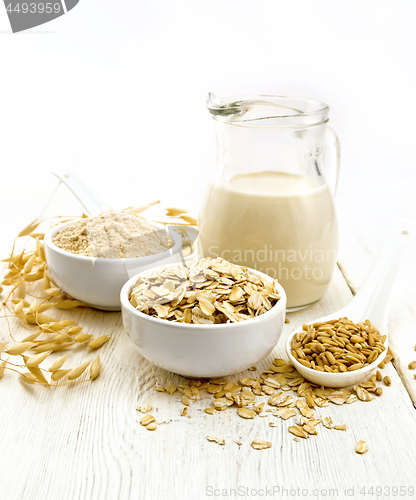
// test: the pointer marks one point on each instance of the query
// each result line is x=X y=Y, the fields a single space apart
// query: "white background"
x=116 y=91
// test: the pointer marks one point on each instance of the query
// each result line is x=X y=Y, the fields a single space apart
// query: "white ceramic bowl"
x=336 y=380
x=98 y=281
x=203 y=351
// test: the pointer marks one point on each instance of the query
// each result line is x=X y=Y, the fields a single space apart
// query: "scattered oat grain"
x=57 y=363
x=98 y=341
x=77 y=372
x=95 y=368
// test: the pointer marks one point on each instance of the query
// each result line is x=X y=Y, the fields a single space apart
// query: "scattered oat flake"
x=258 y=444
x=298 y=431
x=362 y=393
x=186 y=401
x=252 y=369
x=351 y=399
x=340 y=427
x=310 y=400
x=315 y=420
x=165 y=421
x=213 y=389
x=306 y=411
x=285 y=413
x=246 y=413
x=258 y=408
x=310 y=429
x=148 y=419
x=144 y=408
x=361 y=447
x=280 y=399
x=222 y=404
x=327 y=422
x=218 y=381
x=184 y=412
x=210 y=411
x=232 y=387
x=160 y=388
x=216 y=440
x=151 y=427
x=337 y=400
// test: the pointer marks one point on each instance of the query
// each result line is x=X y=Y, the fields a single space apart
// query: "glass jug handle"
x=331 y=156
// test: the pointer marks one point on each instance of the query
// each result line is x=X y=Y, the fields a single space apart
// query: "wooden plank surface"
x=365 y=219
x=86 y=442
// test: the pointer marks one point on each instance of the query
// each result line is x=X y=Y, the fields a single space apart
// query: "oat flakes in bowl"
x=204 y=292
x=235 y=319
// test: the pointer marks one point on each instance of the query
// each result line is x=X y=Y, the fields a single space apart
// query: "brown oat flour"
x=112 y=234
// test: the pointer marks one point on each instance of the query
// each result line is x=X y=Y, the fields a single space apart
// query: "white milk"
x=281 y=224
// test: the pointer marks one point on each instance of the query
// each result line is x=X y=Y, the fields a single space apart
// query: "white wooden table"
x=86 y=442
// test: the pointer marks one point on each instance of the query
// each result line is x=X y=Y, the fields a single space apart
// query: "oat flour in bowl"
x=113 y=235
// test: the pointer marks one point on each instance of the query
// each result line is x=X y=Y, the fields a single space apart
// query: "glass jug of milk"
x=270 y=206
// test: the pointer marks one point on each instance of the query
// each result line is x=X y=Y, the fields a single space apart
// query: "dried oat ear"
x=29 y=293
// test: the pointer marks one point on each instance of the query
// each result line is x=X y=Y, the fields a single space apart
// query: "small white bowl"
x=98 y=281
x=203 y=351
x=336 y=380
